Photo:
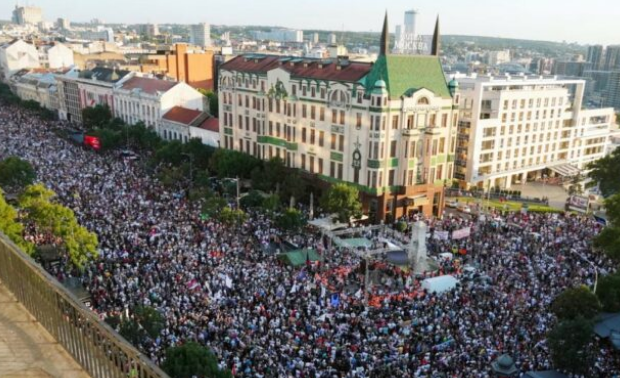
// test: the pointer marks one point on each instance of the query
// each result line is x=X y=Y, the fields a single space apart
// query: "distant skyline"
x=585 y=22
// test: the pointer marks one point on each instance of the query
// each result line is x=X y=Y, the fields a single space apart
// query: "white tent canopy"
x=439 y=284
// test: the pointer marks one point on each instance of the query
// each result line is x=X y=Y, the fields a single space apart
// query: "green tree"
x=576 y=302
x=252 y=200
x=150 y=320
x=612 y=207
x=227 y=163
x=291 y=220
x=170 y=152
x=213 y=206
x=294 y=186
x=232 y=217
x=213 y=101
x=569 y=345
x=575 y=186
x=110 y=139
x=608 y=240
x=10 y=227
x=270 y=176
x=143 y=138
x=608 y=292
x=192 y=361
x=605 y=172
x=96 y=117
x=271 y=203
x=16 y=174
x=60 y=221
x=343 y=200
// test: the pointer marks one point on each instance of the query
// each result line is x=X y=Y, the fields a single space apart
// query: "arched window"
x=423 y=101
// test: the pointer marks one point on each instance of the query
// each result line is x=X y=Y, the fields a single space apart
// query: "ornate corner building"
x=389 y=127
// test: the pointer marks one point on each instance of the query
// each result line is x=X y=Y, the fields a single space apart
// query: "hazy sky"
x=584 y=21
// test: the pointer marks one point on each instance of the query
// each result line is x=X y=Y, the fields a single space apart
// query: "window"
x=312 y=136
x=442 y=145
x=410 y=122
x=334 y=116
x=391 y=177
x=340 y=171
x=304 y=111
x=322 y=114
x=320 y=167
x=394 y=122
x=333 y=142
x=439 y=172
x=444 y=120
x=321 y=138
x=303 y=161
x=435 y=147
x=393 y=148
x=341 y=143
x=303 y=135
x=313 y=112
x=313 y=92
x=278 y=129
x=332 y=169
x=311 y=169
x=294 y=90
x=358 y=122
x=342 y=117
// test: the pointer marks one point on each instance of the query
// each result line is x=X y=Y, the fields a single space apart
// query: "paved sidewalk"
x=27 y=350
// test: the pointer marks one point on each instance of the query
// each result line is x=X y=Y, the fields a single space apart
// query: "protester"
x=225 y=288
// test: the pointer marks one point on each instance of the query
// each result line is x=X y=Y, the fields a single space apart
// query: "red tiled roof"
x=352 y=72
x=211 y=124
x=182 y=115
x=150 y=86
x=203 y=84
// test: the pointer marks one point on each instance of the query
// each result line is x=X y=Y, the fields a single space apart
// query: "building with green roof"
x=387 y=128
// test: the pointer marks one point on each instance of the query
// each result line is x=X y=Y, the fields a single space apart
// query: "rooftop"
x=182 y=115
x=404 y=74
x=147 y=85
x=108 y=75
x=313 y=68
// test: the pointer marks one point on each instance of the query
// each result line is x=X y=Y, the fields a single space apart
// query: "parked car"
x=464 y=208
x=453 y=204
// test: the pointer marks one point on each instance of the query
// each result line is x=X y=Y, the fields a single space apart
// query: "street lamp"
x=592 y=265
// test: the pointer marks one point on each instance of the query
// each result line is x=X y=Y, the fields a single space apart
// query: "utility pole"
x=238 y=193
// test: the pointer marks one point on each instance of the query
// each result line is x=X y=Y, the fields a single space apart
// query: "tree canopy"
x=16 y=174
x=192 y=360
x=605 y=172
x=10 y=227
x=568 y=343
x=60 y=221
x=96 y=117
x=576 y=302
x=343 y=200
x=608 y=292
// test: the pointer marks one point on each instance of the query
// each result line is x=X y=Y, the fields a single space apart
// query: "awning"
x=566 y=170
x=418 y=200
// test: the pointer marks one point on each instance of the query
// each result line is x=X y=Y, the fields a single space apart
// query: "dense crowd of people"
x=223 y=286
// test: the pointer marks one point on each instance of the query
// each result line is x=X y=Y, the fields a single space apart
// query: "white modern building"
x=16 y=56
x=183 y=124
x=27 y=15
x=55 y=56
x=200 y=35
x=513 y=129
x=495 y=58
x=279 y=35
x=63 y=23
x=146 y=99
x=408 y=41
